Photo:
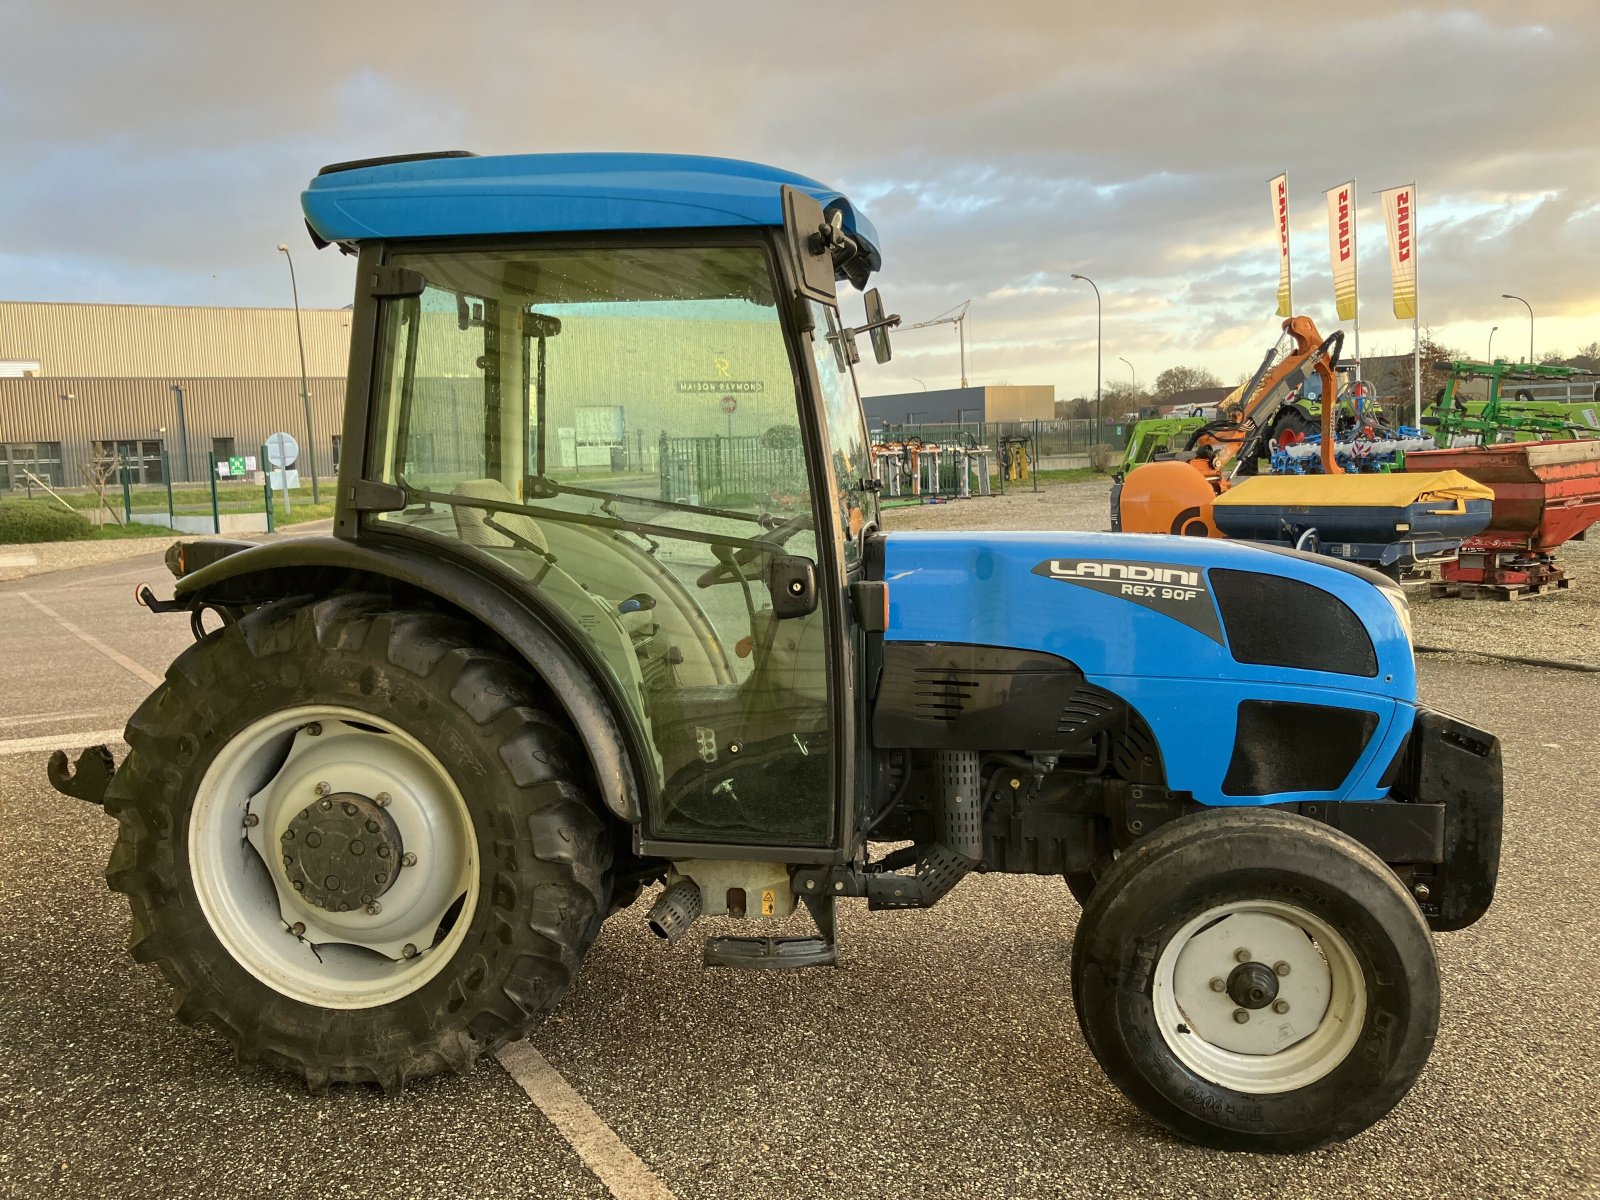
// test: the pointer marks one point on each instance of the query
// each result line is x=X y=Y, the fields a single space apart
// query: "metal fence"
x=1053 y=438
x=723 y=470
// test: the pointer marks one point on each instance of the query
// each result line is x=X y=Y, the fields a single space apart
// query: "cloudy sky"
x=155 y=152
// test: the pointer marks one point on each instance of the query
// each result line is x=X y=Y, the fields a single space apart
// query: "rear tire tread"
x=561 y=887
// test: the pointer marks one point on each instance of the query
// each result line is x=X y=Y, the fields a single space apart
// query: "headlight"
x=1402 y=610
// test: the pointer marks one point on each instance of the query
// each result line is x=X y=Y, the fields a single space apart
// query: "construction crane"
x=956 y=316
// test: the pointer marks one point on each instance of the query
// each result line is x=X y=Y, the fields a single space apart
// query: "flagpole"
x=1416 y=312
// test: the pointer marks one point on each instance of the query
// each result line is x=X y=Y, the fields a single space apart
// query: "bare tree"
x=100 y=471
x=1182 y=379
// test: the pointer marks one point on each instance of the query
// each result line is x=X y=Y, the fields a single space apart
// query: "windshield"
x=658 y=378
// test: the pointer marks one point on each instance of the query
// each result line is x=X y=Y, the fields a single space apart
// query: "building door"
x=141 y=458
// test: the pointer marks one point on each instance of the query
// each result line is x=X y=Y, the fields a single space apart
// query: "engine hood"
x=1184 y=628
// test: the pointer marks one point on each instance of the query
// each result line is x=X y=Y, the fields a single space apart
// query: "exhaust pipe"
x=678 y=908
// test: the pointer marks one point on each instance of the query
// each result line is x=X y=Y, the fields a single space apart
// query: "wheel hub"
x=341 y=852
x=1252 y=985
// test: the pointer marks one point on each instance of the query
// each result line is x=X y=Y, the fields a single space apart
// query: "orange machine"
x=1174 y=496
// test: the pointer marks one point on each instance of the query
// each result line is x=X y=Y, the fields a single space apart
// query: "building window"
x=141 y=457
x=40 y=459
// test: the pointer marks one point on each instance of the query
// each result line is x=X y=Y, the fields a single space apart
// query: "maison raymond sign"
x=1280 y=220
x=1400 y=219
x=721 y=386
x=1342 y=247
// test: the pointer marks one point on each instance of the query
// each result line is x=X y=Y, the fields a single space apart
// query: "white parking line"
x=59 y=741
x=41 y=718
x=122 y=660
x=623 y=1172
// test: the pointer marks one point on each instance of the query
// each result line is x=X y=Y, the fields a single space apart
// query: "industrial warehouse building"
x=162 y=387
x=1030 y=402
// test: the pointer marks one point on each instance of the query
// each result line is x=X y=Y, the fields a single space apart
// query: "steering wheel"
x=730 y=569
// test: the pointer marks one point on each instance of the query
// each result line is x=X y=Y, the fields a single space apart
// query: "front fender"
x=537 y=632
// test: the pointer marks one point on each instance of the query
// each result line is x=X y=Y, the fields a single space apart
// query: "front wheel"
x=1254 y=980
x=357 y=842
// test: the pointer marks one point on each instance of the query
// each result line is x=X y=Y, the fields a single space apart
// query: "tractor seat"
x=472 y=525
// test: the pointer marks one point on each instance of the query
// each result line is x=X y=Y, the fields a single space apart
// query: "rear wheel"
x=1254 y=980
x=356 y=842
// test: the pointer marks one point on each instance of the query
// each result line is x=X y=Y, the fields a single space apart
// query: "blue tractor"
x=607 y=604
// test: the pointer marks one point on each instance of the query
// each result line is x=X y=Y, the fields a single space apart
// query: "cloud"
x=156 y=152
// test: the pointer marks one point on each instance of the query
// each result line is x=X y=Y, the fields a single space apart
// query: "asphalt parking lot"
x=942 y=1059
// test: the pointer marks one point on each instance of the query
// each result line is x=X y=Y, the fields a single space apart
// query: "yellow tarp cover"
x=1354 y=491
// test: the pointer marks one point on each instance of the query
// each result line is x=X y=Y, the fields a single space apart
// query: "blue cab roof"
x=461 y=195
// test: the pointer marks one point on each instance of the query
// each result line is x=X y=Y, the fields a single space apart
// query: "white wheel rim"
x=361 y=958
x=1294 y=1039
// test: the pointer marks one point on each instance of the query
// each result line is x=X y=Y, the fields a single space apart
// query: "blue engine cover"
x=1138 y=615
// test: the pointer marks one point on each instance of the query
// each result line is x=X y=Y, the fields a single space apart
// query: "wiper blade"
x=644 y=529
x=543 y=487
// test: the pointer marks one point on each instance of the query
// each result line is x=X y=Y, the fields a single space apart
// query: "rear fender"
x=534 y=630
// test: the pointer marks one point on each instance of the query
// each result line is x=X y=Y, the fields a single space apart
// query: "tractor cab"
x=636 y=408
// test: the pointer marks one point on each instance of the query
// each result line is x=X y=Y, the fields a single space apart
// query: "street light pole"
x=305 y=387
x=1097 y=349
x=1135 y=375
x=1529 y=307
x=1491 y=342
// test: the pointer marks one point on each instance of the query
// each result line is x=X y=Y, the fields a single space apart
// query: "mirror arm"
x=889 y=322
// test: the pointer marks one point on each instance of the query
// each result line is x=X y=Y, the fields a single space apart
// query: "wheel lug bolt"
x=372 y=827
x=1280 y=1006
x=1241 y=1017
x=288 y=860
x=1219 y=984
x=374 y=909
x=251 y=820
x=298 y=929
x=380 y=878
x=349 y=809
x=383 y=852
x=1241 y=955
x=313 y=839
x=322 y=789
x=288 y=836
x=383 y=799
x=1281 y=968
x=409 y=951
x=326 y=805
x=408 y=859
x=299 y=885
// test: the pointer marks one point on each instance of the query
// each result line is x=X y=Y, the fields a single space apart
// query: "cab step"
x=770 y=953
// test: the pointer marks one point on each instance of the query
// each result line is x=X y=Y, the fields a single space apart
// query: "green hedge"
x=40 y=521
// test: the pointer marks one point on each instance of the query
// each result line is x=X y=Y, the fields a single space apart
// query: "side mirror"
x=809 y=251
x=792 y=584
x=878 y=326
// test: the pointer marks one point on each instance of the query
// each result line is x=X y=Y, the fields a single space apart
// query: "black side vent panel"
x=946 y=696
x=1135 y=756
x=1285 y=747
x=941 y=695
x=1088 y=711
x=1278 y=622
